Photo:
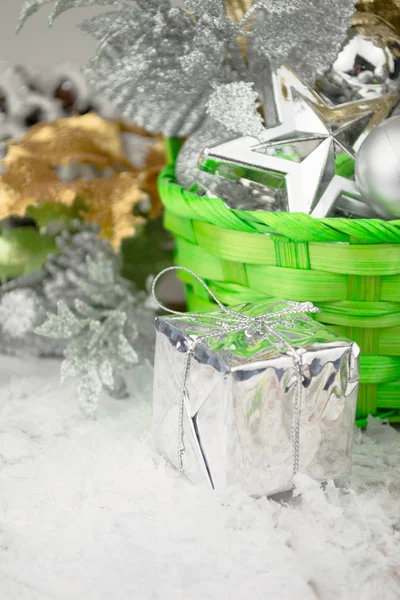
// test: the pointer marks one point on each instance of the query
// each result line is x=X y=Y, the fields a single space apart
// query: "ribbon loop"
x=292 y=307
x=177 y=312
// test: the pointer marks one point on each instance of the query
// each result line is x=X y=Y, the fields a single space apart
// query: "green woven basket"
x=349 y=268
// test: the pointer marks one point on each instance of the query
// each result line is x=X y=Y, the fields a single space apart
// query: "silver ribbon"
x=231 y=321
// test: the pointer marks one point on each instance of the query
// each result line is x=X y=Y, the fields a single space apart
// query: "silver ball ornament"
x=364 y=68
x=368 y=65
x=378 y=169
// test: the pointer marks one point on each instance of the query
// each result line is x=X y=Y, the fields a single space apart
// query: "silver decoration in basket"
x=246 y=196
x=225 y=399
x=378 y=169
x=368 y=63
x=298 y=155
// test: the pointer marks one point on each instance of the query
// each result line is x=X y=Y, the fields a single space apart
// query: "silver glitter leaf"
x=100 y=271
x=126 y=351
x=305 y=36
x=29 y=8
x=97 y=353
x=99 y=325
x=62 y=325
x=157 y=64
x=68 y=370
x=25 y=301
x=106 y=373
x=235 y=105
x=89 y=391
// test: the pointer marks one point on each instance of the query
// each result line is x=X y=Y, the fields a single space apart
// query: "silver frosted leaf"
x=63 y=5
x=62 y=325
x=100 y=311
x=29 y=8
x=89 y=390
x=157 y=64
x=106 y=373
x=306 y=36
x=100 y=270
x=235 y=105
x=126 y=352
x=68 y=370
x=100 y=319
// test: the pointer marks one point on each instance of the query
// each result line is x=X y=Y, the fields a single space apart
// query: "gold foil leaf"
x=85 y=139
x=30 y=173
x=388 y=10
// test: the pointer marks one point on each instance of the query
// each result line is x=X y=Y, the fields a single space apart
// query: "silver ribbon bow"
x=265 y=325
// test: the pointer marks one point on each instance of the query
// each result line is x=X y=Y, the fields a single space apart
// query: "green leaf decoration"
x=148 y=253
x=345 y=165
x=45 y=213
x=23 y=250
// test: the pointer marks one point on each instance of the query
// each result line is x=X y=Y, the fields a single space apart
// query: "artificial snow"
x=89 y=511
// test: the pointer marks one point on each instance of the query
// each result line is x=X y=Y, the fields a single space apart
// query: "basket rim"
x=297 y=227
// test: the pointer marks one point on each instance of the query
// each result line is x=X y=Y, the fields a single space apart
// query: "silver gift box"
x=236 y=422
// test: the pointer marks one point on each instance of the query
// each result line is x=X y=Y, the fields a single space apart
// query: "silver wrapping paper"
x=238 y=409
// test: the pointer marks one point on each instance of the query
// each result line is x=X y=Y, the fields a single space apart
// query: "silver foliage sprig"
x=305 y=36
x=157 y=64
x=99 y=333
x=25 y=300
x=95 y=318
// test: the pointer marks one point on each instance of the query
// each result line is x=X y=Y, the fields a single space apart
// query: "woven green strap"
x=297 y=227
x=350 y=269
x=172 y=147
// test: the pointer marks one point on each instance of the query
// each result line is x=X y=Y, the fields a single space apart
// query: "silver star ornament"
x=296 y=157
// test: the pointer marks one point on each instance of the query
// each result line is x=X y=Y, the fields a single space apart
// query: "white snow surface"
x=89 y=511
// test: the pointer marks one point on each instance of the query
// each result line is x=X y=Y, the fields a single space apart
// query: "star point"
x=299 y=152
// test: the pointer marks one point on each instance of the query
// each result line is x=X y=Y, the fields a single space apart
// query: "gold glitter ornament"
x=30 y=173
x=388 y=10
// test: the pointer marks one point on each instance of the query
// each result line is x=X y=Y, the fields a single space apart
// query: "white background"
x=36 y=44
